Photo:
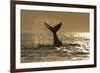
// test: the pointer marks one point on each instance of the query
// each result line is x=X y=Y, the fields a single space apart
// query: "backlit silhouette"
x=56 y=41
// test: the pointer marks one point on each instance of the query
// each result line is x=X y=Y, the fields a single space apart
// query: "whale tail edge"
x=55 y=28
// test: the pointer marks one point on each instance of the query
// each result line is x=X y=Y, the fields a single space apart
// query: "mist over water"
x=38 y=47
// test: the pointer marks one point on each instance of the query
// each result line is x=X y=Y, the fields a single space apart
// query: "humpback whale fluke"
x=56 y=41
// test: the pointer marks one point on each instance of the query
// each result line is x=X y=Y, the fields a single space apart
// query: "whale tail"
x=55 y=28
x=56 y=41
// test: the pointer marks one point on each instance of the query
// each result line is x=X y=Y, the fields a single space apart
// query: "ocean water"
x=37 y=47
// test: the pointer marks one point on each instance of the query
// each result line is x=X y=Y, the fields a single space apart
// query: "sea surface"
x=38 y=47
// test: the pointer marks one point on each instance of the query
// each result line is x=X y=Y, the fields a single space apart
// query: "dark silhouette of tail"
x=56 y=41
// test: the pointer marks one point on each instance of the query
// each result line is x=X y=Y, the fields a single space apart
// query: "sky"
x=33 y=21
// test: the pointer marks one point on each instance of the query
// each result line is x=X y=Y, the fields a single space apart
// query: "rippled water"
x=39 y=49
